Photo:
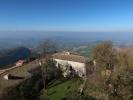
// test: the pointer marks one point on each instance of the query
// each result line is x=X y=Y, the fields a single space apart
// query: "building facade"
x=76 y=62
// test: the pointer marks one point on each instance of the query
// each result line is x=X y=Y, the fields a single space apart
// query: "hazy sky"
x=67 y=15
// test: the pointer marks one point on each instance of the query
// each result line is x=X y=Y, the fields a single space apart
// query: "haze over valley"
x=31 y=39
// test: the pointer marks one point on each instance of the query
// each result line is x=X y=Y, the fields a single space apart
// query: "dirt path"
x=8 y=69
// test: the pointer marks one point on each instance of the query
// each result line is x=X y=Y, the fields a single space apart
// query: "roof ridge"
x=70 y=57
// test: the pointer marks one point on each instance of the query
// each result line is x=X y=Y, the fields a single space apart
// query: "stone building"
x=76 y=62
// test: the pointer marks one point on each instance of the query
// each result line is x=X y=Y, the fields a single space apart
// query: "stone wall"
x=77 y=66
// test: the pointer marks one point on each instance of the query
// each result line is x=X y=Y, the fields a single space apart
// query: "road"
x=7 y=69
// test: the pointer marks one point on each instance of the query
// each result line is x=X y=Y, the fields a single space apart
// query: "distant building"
x=20 y=63
x=77 y=62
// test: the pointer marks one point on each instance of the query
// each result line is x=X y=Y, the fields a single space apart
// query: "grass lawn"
x=59 y=89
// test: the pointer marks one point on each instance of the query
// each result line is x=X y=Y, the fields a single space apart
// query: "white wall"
x=77 y=66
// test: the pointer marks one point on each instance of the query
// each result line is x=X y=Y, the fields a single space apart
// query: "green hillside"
x=59 y=89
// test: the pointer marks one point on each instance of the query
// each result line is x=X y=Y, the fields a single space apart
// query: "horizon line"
x=31 y=30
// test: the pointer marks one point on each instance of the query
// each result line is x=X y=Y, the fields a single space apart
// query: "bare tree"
x=47 y=48
x=104 y=55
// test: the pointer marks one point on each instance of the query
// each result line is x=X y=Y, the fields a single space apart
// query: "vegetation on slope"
x=110 y=79
x=61 y=88
x=30 y=88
